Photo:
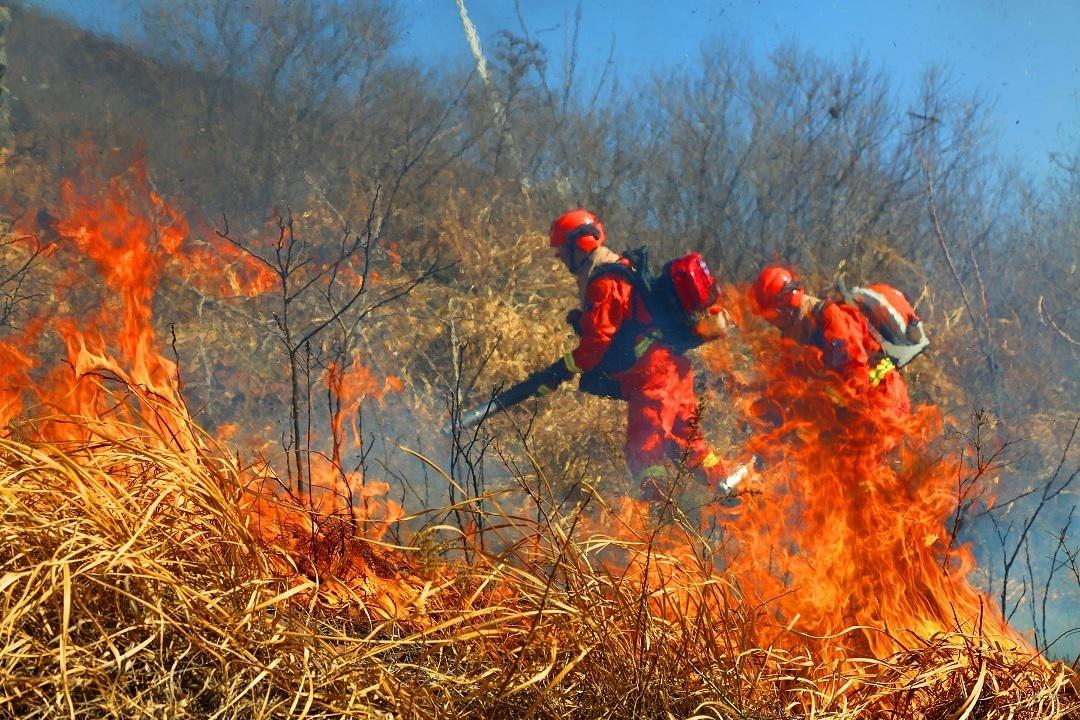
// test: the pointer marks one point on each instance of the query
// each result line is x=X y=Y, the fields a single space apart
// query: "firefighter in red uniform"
x=829 y=421
x=619 y=342
x=850 y=346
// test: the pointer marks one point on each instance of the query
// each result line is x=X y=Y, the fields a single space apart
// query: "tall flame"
x=107 y=254
x=112 y=243
x=849 y=535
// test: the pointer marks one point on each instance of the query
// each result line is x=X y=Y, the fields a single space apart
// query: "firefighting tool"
x=727 y=491
x=540 y=383
x=726 y=487
x=683 y=298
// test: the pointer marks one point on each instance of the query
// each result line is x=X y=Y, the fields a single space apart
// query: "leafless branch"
x=1044 y=313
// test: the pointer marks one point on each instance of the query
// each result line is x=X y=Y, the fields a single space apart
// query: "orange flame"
x=350 y=387
x=114 y=243
x=850 y=530
x=102 y=231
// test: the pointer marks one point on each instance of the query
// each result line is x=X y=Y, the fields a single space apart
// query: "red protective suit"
x=658 y=387
x=842 y=334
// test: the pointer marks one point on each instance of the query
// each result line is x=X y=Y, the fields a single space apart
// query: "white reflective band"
x=878 y=304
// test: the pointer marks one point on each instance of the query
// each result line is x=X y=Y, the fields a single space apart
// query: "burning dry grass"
x=134 y=586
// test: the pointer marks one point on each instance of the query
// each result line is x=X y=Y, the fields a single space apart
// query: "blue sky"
x=1022 y=55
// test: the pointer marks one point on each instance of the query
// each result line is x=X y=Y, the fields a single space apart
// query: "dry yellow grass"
x=133 y=586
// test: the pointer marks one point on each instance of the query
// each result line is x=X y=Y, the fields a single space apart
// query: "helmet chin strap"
x=575 y=251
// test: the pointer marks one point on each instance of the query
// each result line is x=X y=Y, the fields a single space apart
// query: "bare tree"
x=19 y=254
x=1015 y=533
x=5 y=95
x=278 y=79
x=323 y=297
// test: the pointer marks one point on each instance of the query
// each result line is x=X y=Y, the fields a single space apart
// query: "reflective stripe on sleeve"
x=646 y=342
x=879 y=371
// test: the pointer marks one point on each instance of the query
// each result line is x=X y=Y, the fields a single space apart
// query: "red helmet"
x=580 y=227
x=775 y=289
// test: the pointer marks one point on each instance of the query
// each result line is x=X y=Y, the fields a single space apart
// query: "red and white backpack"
x=683 y=298
x=891 y=319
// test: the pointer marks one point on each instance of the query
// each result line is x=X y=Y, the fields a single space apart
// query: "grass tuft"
x=138 y=583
